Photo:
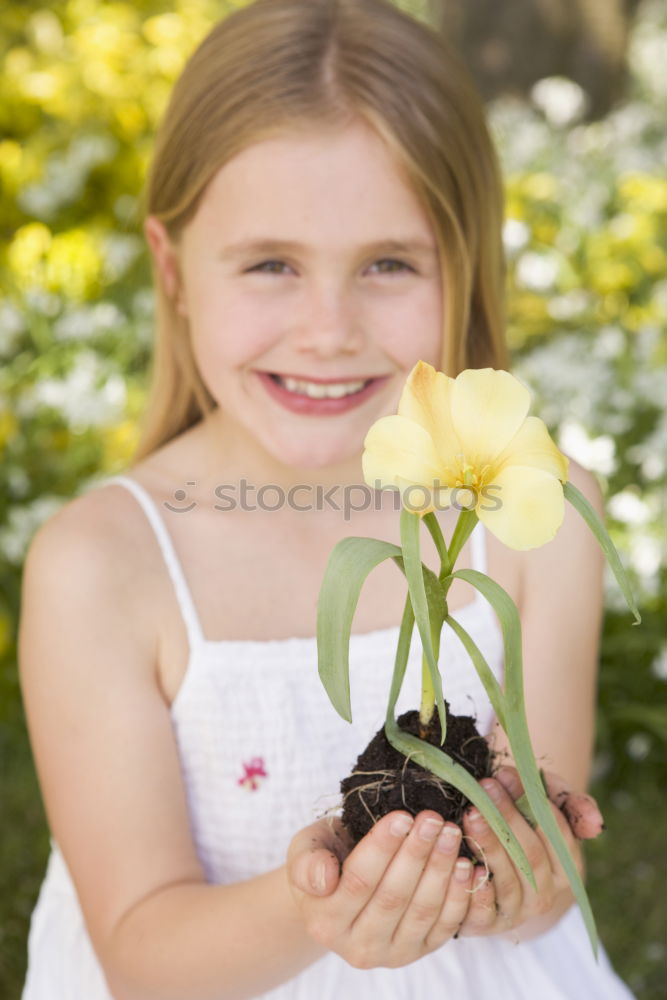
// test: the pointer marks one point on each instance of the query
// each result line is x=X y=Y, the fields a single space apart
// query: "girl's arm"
x=109 y=772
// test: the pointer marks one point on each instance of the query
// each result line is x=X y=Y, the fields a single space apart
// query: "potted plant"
x=467 y=442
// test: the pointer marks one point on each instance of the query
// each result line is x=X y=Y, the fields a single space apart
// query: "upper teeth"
x=316 y=390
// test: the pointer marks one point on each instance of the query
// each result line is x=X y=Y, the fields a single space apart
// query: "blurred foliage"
x=82 y=89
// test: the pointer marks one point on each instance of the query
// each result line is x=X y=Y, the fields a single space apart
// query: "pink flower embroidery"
x=254 y=770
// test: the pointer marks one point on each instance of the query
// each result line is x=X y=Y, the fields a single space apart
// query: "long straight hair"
x=278 y=66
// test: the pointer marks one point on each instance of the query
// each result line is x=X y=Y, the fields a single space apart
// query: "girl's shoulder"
x=102 y=525
x=94 y=554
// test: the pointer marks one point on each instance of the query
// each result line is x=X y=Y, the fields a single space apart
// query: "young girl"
x=323 y=210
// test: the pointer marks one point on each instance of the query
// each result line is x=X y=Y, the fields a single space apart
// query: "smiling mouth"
x=320 y=390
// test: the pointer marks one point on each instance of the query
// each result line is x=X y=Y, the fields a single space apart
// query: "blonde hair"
x=280 y=65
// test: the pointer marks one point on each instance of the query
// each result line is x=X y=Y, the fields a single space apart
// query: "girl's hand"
x=510 y=900
x=400 y=893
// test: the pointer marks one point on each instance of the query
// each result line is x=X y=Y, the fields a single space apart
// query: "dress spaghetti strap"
x=183 y=595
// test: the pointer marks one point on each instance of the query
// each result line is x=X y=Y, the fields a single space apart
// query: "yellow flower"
x=469 y=442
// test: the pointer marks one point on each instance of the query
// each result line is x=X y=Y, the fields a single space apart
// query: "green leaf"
x=402 y=653
x=486 y=675
x=410 y=526
x=519 y=736
x=590 y=516
x=435 y=760
x=350 y=562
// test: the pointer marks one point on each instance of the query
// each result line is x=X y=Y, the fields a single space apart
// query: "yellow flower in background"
x=469 y=442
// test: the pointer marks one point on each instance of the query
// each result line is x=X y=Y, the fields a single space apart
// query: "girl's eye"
x=269 y=267
x=386 y=266
x=394 y=266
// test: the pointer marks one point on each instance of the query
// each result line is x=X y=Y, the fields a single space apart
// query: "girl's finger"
x=482 y=912
x=314 y=857
x=580 y=810
x=515 y=897
x=454 y=908
x=384 y=910
x=425 y=907
x=571 y=842
x=364 y=868
x=480 y=838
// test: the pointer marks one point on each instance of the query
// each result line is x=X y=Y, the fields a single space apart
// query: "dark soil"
x=382 y=780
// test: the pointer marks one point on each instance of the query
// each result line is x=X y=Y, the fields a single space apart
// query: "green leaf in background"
x=580 y=503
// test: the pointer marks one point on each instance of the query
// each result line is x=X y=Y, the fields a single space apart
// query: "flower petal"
x=488 y=408
x=399 y=451
x=524 y=507
x=426 y=399
x=533 y=446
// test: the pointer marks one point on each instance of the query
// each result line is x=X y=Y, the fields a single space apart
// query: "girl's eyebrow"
x=272 y=246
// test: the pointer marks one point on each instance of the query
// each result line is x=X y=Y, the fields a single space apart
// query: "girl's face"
x=311 y=281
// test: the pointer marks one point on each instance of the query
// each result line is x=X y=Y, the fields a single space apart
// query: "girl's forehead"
x=315 y=174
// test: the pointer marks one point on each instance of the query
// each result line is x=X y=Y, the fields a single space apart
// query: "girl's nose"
x=328 y=326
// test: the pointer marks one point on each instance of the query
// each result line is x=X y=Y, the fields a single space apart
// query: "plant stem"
x=467 y=520
x=464 y=526
x=427 y=705
x=433 y=525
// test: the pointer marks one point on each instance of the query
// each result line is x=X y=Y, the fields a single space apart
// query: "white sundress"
x=250 y=789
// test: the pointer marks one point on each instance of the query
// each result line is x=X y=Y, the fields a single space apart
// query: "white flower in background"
x=17 y=481
x=120 y=251
x=537 y=271
x=627 y=507
x=564 y=384
x=515 y=235
x=654 y=467
x=12 y=326
x=88 y=321
x=609 y=342
x=639 y=746
x=648 y=55
x=569 y=305
x=22 y=523
x=660 y=296
x=65 y=174
x=646 y=558
x=562 y=101
x=42 y=301
x=659 y=665
x=87 y=396
x=595 y=453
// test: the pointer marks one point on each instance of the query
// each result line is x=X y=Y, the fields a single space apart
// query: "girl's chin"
x=306 y=461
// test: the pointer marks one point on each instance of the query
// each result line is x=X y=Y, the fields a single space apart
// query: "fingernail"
x=429 y=828
x=319 y=877
x=492 y=790
x=476 y=818
x=401 y=825
x=448 y=839
x=462 y=870
x=509 y=781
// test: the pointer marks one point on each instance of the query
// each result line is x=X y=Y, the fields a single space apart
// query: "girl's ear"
x=165 y=258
